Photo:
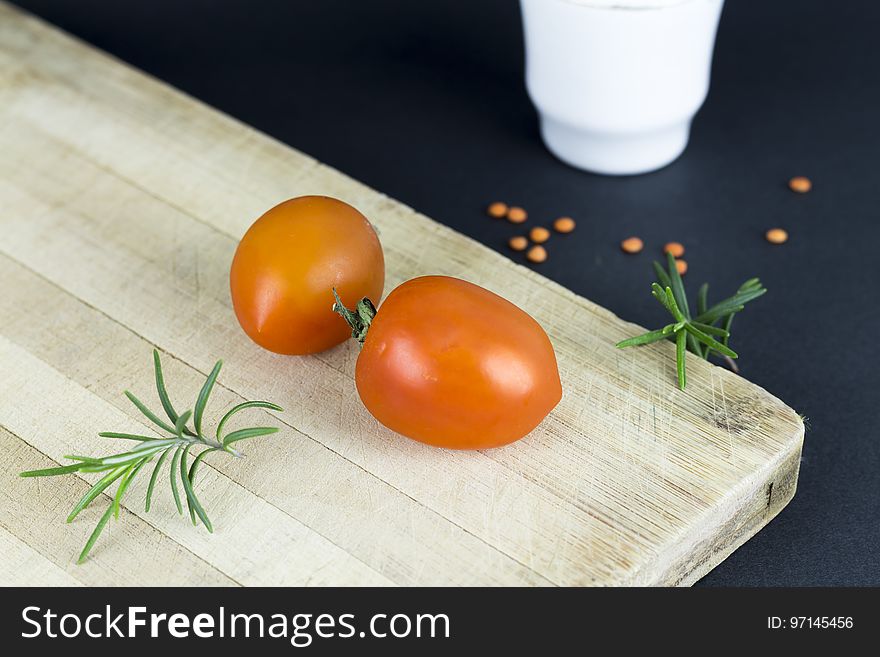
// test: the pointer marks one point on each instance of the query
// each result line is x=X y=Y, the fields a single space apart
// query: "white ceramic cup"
x=617 y=82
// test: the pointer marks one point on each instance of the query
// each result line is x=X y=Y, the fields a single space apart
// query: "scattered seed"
x=681 y=266
x=537 y=254
x=675 y=248
x=800 y=184
x=776 y=236
x=518 y=243
x=539 y=234
x=497 y=209
x=564 y=225
x=632 y=245
x=516 y=215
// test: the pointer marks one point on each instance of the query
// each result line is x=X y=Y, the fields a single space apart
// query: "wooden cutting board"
x=121 y=202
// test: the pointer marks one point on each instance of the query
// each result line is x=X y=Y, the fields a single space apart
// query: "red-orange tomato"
x=287 y=264
x=451 y=364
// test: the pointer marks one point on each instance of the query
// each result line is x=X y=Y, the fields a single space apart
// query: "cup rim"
x=629 y=5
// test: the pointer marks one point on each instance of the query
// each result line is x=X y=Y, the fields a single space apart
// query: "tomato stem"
x=358 y=319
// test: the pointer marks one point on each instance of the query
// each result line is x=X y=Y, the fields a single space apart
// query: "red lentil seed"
x=497 y=209
x=776 y=236
x=564 y=225
x=516 y=215
x=632 y=245
x=537 y=254
x=800 y=184
x=539 y=234
x=675 y=248
x=518 y=243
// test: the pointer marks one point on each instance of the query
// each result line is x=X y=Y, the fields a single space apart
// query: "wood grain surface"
x=121 y=203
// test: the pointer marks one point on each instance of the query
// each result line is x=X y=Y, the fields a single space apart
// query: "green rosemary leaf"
x=243 y=406
x=747 y=294
x=130 y=474
x=95 y=533
x=702 y=297
x=153 y=479
x=148 y=413
x=243 y=434
x=677 y=286
x=713 y=314
x=728 y=322
x=93 y=465
x=204 y=393
x=160 y=387
x=175 y=463
x=180 y=425
x=125 y=436
x=645 y=338
x=94 y=491
x=661 y=297
x=681 y=321
x=51 y=472
x=737 y=300
x=659 y=293
x=96 y=467
x=192 y=474
x=183 y=476
x=732 y=305
x=192 y=500
x=711 y=330
x=84 y=459
x=702 y=305
x=710 y=341
x=673 y=306
x=694 y=345
x=680 y=341
x=135 y=454
x=153 y=445
x=198 y=459
x=662 y=276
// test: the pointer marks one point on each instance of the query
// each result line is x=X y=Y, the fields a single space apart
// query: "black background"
x=425 y=101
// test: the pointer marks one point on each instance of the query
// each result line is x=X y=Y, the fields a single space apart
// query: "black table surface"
x=426 y=102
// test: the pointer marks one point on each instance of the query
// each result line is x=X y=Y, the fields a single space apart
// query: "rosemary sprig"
x=181 y=442
x=695 y=333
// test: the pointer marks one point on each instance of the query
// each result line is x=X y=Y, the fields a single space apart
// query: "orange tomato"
x=286 y=265
x=449 y=363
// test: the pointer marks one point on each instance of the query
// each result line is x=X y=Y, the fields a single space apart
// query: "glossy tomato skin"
x=287 y=264
x=449 y=363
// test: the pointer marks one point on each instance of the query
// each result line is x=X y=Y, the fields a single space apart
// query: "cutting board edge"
x=764 y=497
